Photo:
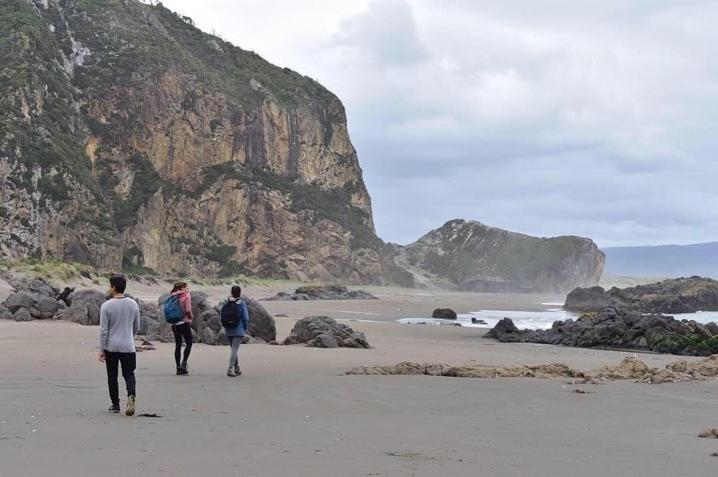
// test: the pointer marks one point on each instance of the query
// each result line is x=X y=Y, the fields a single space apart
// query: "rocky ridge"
x=679 y=295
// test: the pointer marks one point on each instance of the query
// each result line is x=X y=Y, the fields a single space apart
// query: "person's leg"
x=129 y=364
x=233 y=347
x=178 y=344
x=187 y=333
x=111 y=360
x=236 y=356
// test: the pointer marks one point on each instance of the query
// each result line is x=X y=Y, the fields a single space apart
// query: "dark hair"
x=118 y=284
x=236 y=291
x=178 y=286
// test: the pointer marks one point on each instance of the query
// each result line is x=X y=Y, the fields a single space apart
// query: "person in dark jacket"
x=236 y=333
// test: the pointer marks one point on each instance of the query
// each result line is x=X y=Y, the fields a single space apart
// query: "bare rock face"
x=679 y=295
x=474 y=257
x=325 y=332
x=173 y=150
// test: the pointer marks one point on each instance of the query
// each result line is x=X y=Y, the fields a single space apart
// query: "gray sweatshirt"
x=119 y=322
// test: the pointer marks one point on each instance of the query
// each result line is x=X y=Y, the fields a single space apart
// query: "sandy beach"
x=294 y=412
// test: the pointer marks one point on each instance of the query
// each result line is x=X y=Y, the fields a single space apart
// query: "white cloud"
x=549 y=117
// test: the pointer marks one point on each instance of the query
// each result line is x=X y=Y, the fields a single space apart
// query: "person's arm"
x=136 y=322
x=104 y=332
x=187 y=306
x=245 y=315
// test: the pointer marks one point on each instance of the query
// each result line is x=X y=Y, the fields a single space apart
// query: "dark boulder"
x=152 y=323
x=40 y=307
x=261 y=323
x=5 y=314
x=444 y=313
x=325 y=332
x=85 y=308
x=22 y=314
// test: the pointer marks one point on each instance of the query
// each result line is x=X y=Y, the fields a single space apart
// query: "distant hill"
x=663 y=261
x=471 y=256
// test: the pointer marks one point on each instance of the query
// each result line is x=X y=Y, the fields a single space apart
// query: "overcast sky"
x=545 y=117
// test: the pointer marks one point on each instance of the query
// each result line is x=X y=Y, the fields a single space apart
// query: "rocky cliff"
x=474 y=257
x=131 y=139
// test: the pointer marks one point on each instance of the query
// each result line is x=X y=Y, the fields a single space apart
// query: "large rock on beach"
x=152 y=323
x=679 y=295
x=22 y=315
x=5 y=314
x=40 y=307
x=617 y=328
x=444 y=313
x=325 y=332
x=85 y=307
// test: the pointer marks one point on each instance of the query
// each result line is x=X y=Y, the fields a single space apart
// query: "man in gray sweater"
x=119 y=322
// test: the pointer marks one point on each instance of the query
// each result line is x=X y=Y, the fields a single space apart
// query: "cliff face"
x=131 y=139
x=475 y=257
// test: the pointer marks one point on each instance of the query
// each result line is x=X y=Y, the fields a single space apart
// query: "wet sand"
x=293 y=412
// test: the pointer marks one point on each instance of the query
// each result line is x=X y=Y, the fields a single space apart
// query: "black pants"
x=183 y=330
x=129 y=363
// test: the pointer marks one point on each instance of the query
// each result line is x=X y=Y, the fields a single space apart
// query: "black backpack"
x=229 y=316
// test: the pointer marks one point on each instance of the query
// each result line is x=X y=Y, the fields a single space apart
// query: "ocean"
x=535 y=320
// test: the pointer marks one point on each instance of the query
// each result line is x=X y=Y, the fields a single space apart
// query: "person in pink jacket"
x=183 y=329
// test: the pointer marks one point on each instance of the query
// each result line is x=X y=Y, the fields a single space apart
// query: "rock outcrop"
x=679 y=295
x=329 y=292
x=630 y=368
x=325 y=332
x=84 y=307
x=132 y=140
x=617 y=328
x=474 y=257
x=33 y=305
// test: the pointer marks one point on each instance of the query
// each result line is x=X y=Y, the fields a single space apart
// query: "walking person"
x=235 y=320
x=119 y=322
x=182 y=329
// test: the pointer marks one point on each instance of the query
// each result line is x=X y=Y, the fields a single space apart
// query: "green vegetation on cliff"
x=113 y=109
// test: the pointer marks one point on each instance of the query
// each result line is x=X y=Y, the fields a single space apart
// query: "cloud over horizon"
x=549 y=119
